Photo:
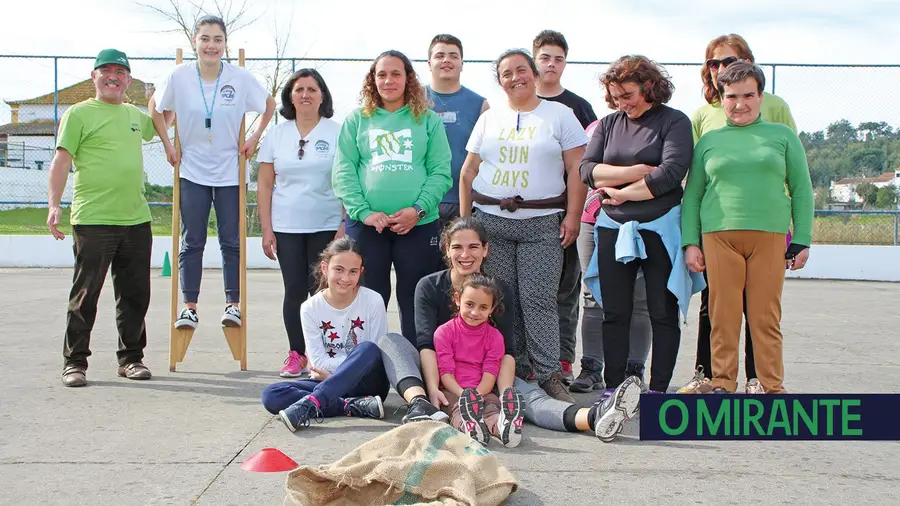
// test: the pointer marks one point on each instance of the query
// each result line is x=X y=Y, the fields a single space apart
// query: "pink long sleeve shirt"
x=468 y=352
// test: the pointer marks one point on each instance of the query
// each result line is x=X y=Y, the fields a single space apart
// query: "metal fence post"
x=293 y=65
x=896 y=229
x=55 y=97
x=774 y=67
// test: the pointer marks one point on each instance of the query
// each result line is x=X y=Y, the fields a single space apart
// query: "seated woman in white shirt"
x=298 y=212
x=340 y=323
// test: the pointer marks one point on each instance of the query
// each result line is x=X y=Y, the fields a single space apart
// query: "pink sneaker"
x=294 y=365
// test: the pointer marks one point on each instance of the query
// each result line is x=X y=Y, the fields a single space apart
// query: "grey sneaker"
x=300 y=413
x=364 y=407
x=509 y=423
x=471 y=410
x=637 y=370
x=588 y=380
x=187 y=319
x=753 y=387
x=612 y=412
x=231 y=317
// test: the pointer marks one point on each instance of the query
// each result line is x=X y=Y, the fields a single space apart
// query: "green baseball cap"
x=112 y=56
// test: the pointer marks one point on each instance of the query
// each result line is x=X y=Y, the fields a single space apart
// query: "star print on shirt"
x=358 y=322
x=333 y=336
x=326 y=326
x=407 y=144
x=331 y=353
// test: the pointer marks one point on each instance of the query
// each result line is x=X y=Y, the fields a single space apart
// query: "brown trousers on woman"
x=739 y=260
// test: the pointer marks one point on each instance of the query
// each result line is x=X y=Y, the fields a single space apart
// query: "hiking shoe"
x=753 y=387
x=231 y=317
x=587 y=381
x=294 y=366
x=364 y=407
x=299 y=413
x=556 y=389
x=134 y=371
x=509 y=424
x=699 y=384
x=188 y=319
x=421 y=409
x=74 y=376
x=612 y=412
x=471 y=410
x=568 y=375
x=637 y=370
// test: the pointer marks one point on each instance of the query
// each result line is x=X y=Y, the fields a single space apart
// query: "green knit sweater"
x=737 y=180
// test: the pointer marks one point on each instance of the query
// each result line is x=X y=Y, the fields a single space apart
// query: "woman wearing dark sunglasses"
x=720 y=53
x=298 y=211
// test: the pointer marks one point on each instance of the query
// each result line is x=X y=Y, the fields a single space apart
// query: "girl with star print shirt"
x=331 y=334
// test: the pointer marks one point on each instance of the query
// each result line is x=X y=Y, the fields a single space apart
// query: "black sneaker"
x=420 y=409
x=231 y=317
x=187 y=319
x=300 y=413
x=587 y=380
x=471 y=410
x=612 y=411
x=637 y=370
x=364 y=407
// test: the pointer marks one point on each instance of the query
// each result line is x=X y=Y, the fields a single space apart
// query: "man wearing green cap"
x=109 y=215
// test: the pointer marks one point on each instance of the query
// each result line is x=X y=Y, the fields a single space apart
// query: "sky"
x=778 y=31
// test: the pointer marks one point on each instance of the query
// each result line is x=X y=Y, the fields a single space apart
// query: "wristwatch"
x=420 y=213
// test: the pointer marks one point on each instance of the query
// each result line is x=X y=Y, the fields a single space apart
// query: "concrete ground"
x=180 y=438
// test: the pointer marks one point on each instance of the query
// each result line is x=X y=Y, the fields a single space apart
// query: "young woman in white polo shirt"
x=298 y=211
x=518 y=155
x=209 y=98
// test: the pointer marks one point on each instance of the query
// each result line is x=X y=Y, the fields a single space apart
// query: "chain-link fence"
x=35 y=91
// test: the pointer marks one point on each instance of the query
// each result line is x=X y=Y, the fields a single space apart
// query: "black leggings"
x=298 y=256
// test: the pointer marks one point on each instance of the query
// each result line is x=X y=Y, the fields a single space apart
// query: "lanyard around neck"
x=209 y=110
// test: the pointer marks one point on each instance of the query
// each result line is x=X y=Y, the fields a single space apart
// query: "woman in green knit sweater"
x=735 y=198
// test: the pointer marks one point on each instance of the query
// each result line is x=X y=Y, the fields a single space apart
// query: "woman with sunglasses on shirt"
x=720 y=53
x=298 y=211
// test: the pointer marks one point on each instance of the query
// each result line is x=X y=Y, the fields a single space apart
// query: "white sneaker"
x=753 y=387
x=231 y=317
x=188 y=319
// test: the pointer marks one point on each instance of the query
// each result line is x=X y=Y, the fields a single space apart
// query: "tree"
x=871 y=130
x=868 y=192
x=867 y=162
x=185 y=17
x=841 y=132
x=887 y=197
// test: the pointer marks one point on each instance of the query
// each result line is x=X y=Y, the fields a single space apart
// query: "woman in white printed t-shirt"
x=518 y=155
x=209 y=98
x=298 y=211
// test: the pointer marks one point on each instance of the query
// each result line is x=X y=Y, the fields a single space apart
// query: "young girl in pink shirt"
x=469 y=350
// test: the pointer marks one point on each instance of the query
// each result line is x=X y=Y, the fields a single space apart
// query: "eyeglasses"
x=714 y=63
x=300 y=151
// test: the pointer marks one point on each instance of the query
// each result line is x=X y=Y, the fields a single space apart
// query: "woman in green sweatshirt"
x=721 y=52
x=735 y=198
x=391 y=170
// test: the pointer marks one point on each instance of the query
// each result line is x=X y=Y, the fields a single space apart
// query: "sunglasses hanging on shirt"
x=300 y=151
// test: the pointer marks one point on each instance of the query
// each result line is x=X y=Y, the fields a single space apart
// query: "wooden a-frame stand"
x=180 y=339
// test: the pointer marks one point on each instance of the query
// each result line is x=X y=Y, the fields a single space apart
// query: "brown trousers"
x=491 y=411
x=739 y=260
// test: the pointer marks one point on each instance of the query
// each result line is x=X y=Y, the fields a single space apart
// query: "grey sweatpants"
x=527 y=256
x=401 y=361
x=592 y=321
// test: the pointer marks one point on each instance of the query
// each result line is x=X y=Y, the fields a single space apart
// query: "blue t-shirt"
x=459 y=111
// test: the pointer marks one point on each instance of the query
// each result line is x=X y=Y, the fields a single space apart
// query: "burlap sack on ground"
x=416 y=463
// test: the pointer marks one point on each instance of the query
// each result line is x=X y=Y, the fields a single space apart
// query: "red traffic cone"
x=269 y=460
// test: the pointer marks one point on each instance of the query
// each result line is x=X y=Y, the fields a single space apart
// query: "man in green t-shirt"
x=109 y=215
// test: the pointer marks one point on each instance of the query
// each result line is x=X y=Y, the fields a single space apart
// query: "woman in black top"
x=639 y=156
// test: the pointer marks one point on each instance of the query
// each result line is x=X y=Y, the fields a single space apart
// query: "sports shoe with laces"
x=568 y=375
x=612 y=411
x=231 y=317
x=587 y=381
x=754 y=387
x=421 y=409
x=294 y=365
x=510 y=421
x=364 y=407
x=300 y=413
x=471 y=411
x=637 y=370
x=187 y=319
x=556 y=389
x=699 y=384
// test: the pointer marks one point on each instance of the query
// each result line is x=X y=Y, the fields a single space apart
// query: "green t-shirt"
x=105 y=143
x=712 y=116
x=737 y=179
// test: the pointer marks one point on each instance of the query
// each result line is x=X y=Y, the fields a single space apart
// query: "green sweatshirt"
x=712 y=116
x=387 y=162
x=737 y=179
